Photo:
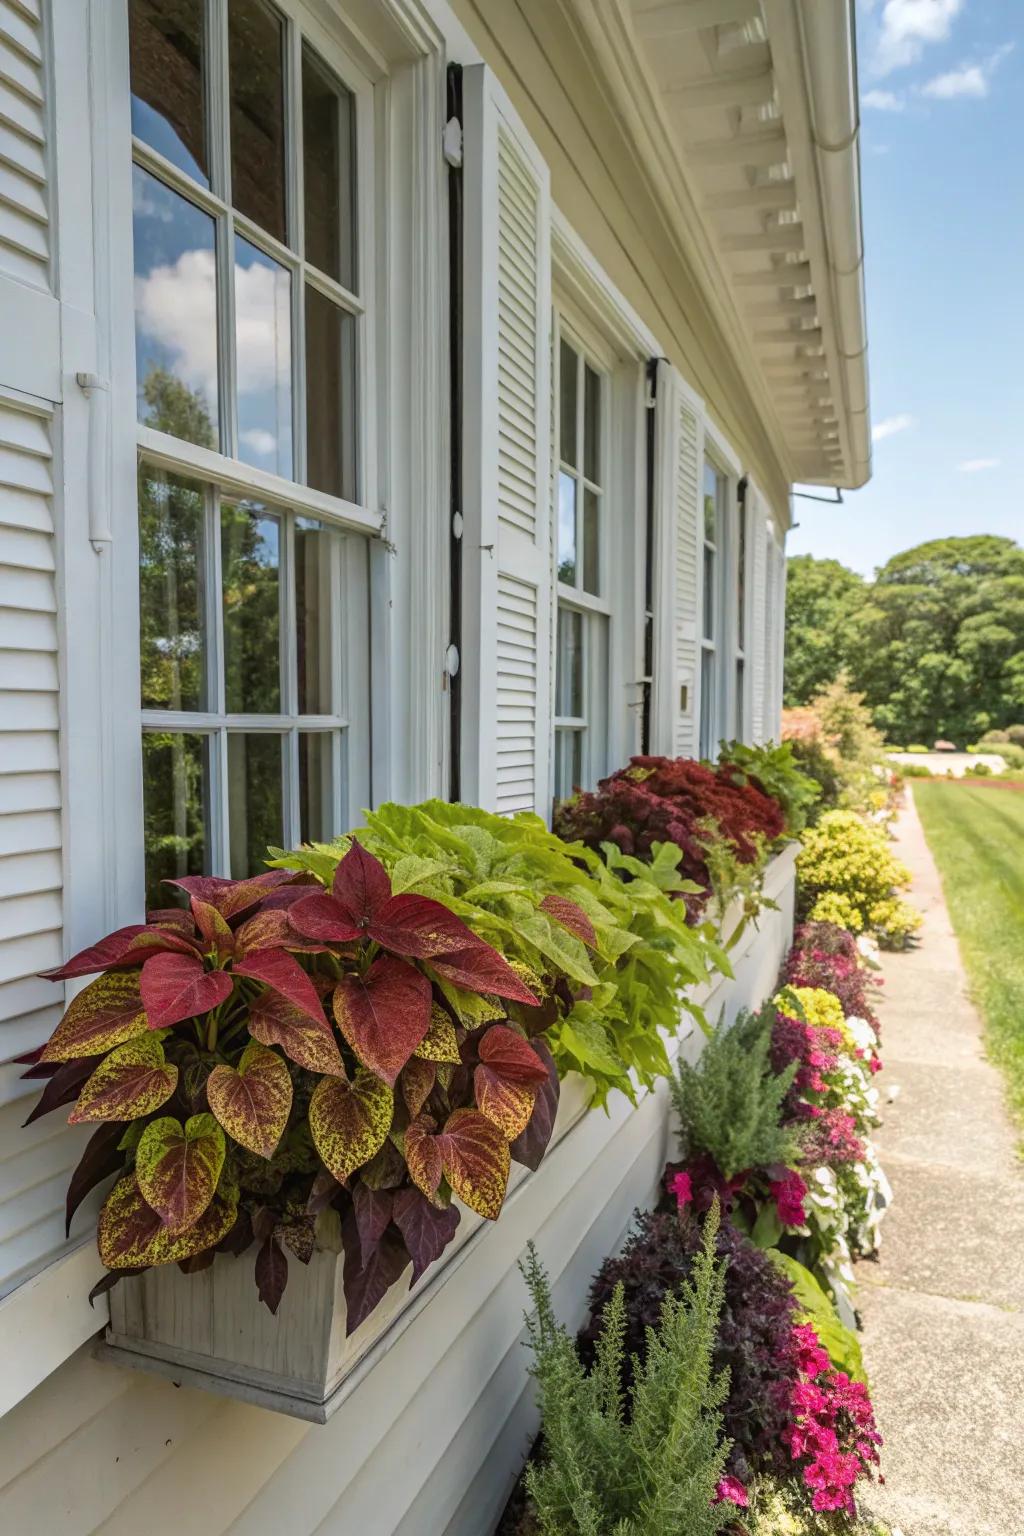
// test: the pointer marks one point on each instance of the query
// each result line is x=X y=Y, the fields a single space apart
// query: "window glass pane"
x=263 y=343
x=255 y=817
x=591 y=541
x=567 y=384
x=740 y=682
x=328 y=154
x=316 y=804
x=566 y=529
x=172 y=554
x=569 y=675
x=708 y=625
x=710 y=503
x=166 y=45
x=250 y=563
x=256 y=59
x=330 y=397
x=568 y=762
x=591 y=424
x=314 y=568
x=175 y=313
x=176 y=805
x=707 y=703
x=741 y=580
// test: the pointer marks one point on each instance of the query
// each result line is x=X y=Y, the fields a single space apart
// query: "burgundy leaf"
x=63 y=1086
x=271 y=1274
x=325 y=918
x=420 y=928
x=98 y=957
x=172 y=917
x=510 y=1056
x=366 y=1284
x=285 y=976
x=29 y=1059
x=483 y=970
x=101 y=1158
x=361 y=883
x=239 y=1238
x=176 y=987
x=307 y=1040
x=269 y=928
x=233 y=897
x=384 y=1014
x=372 y=1209
x=571 y=917
x=111 y=1278
x=322 y=1192
x=213 y=928
x=426 y=1230
x=529 y=1147
x=197 y=1262
x=416 y=1083
x=423 y=1155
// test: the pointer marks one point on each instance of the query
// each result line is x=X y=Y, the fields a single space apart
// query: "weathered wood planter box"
x=210 y=1330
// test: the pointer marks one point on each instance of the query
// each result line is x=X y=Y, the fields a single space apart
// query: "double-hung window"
x=251 y=220
x=713 y=635
x=739 y=723
x=583 y=582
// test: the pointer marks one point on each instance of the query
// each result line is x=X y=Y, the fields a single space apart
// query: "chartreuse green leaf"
x=106 y=1013
x=841 y=1342
x=349 y=1121
x=253 y=1101
x=131 y=1234
x=178 y=1166
x=440 y=1043
x=134 y=1080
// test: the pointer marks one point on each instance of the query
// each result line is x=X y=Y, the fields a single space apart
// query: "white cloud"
x=907 y=27
x=882 y=101
x=890 y=426
x=261 y=442
x=972 y=466
x=968 y=80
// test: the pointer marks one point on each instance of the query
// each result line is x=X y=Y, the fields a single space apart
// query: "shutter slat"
x=687 y=591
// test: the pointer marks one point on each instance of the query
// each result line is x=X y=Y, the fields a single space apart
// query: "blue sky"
x=942 y=93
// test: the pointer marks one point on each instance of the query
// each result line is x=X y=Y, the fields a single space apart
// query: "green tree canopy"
x=935 y=643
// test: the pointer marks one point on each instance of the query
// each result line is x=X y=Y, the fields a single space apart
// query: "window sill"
x=47 y=1318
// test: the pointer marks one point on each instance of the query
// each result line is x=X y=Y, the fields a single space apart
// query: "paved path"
x=943 y=1308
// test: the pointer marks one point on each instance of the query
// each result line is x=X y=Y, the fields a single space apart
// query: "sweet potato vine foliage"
x=281 y=1057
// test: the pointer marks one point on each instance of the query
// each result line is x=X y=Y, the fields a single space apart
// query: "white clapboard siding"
x=24 y=214
x=507 y=486
x=757 y=662
x=686 y=596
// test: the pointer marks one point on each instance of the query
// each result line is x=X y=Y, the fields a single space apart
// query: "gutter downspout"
x=828 y=33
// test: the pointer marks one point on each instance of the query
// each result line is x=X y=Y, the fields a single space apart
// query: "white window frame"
x=720 y=717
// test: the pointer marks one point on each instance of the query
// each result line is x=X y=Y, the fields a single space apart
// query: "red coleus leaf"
x=531 y=1144
x=505 y=1081
x=252 y=1102
x=284 y=975
x=365 y=1283
x=384 y=1015
x=372 y=1209
x=271 y=1274
x=102 y=1157
x=482 y=969
x=177 y=1167
x=350 y=1121
x=172 y=917
x=161 y=940
x=134 y=1080
x=213 y=928
x=65 y=1085
x=131 y=1234
x=233 y=897
x=420 y=928
x=108 y=1012
x=570 y=916
x=425 y=1229
x=308 y=1041
x=269 y=928
x=98 y=957
x=416 y=1081
x=471 y=1152
x=361 y=882
x=176 y=987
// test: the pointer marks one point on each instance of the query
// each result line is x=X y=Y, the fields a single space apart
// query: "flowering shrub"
x=832 y=1437
x=675 y=800
x=848 y=875
x=825 y=955
x=232 y=1109
x=755 y=1330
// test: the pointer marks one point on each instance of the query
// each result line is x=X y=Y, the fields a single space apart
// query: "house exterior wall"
x=85 y=1446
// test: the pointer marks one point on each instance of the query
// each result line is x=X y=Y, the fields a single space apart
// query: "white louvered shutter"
x=507 y=631
x=757 y=659
x=775 y=718
x=34 y=1164
x=679 y=446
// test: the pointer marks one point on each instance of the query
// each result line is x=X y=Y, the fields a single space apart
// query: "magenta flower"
x=788 y=1194
x=730 y=1488
x=682 y=1187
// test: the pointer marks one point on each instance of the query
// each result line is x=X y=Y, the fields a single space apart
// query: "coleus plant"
x=286 y=1047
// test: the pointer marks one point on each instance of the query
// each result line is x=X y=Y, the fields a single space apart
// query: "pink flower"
x=810 y=1357
x=682 y=1187
x=730 y=1488
x=788 y=1194
x=875 y=1064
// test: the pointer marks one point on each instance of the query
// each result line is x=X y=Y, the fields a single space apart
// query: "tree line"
x=934 y=643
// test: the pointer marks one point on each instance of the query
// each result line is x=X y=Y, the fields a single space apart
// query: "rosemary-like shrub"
x=731 y=1104
x=655 y=1470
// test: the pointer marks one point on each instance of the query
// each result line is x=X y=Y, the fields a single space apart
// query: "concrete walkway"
x=943 y=1308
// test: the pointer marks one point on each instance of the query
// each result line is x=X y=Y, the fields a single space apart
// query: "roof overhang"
x=757 y=101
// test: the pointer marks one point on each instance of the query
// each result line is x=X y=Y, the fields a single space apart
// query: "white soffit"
x=759 y=99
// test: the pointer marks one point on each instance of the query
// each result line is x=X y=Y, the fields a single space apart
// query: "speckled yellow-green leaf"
x=350 y=1121
x=106 y=1013
x=178 y=1166
x=130 y=1234
x=440 y=1042
x=253 y=1102
x=131 y=1082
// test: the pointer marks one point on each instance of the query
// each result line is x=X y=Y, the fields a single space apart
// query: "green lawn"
x=976 y=835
